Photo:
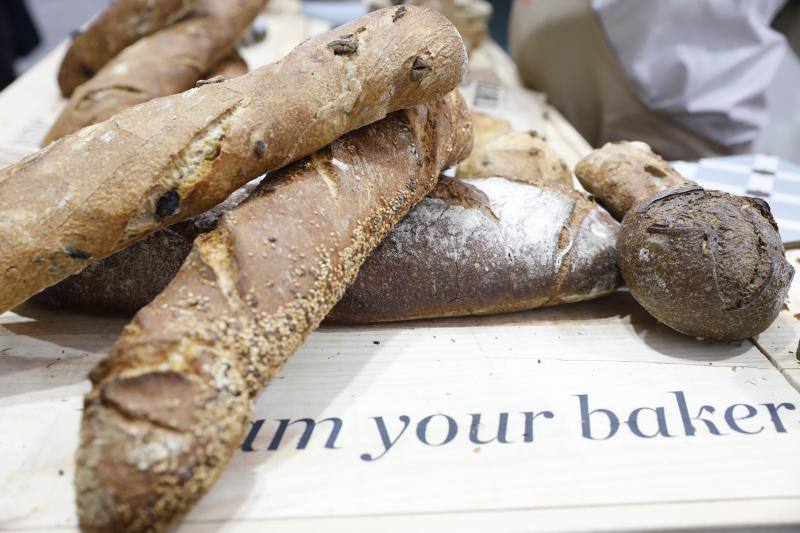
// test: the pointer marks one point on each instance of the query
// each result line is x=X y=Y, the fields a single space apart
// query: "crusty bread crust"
x=100 y=189
x=167 y=62
x=624 y=173
x=486 y=246
x=171 y=402
x=119 y=26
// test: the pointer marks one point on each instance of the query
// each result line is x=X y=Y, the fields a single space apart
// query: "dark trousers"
x=18 y=37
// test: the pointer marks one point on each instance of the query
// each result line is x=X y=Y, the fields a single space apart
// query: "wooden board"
x=449 y=383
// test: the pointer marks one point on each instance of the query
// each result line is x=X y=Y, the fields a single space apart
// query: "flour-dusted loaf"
x=106 y=186
x=119 y=26
x=172 y=401
x=486 y=246
x=621 y=174
x=167 y=62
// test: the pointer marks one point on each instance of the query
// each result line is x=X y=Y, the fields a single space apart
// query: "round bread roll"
x=705 y=263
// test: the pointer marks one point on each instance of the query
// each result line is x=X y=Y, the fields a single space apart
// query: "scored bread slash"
x=98 y=190
x=184 y=376
x=122 y=24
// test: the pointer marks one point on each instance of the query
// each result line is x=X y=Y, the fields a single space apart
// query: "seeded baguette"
x=171 y=402
x=167 y=62
x=100 y=189
x=119 y=26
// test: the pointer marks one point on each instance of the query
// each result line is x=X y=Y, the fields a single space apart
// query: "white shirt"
x=705 y=63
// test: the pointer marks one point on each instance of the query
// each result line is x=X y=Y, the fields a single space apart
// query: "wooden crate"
x=407 y=416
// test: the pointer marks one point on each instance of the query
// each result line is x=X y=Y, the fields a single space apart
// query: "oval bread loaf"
x=106 y=186
x=486 y=246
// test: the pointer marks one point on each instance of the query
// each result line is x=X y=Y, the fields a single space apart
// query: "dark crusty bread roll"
x=106 y=186
x=623 y=173
x=705 y=263
x=119 y=26
x=486 y=246
x=171 y=402
x=167 y=62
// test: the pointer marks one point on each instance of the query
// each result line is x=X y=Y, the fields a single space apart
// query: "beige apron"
x=560 y=50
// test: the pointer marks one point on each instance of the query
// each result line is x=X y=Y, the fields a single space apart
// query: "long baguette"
x=171 y=402
x=119 y=26
x=167 y=62
x=108 y=185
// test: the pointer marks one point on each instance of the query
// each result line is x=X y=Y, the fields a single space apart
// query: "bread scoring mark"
x=190 y=166
x=322 y=161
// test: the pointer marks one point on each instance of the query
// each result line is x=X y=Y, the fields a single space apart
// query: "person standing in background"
x=18 y=37
x=689 y=77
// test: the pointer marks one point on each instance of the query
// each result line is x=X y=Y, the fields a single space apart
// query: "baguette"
x=171 y=402
x=100 y=189
x=624 y=173
x=485 y=246
x=119 y=26
x=167 y=62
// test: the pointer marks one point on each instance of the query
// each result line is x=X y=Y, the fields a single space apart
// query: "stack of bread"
x=153 y=208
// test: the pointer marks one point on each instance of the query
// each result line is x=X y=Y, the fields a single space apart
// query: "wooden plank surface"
x=438 y=390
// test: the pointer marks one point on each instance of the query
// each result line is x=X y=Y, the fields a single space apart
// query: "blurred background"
x=721 y=75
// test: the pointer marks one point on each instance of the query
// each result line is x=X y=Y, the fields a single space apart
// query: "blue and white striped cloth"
x=773 y=179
